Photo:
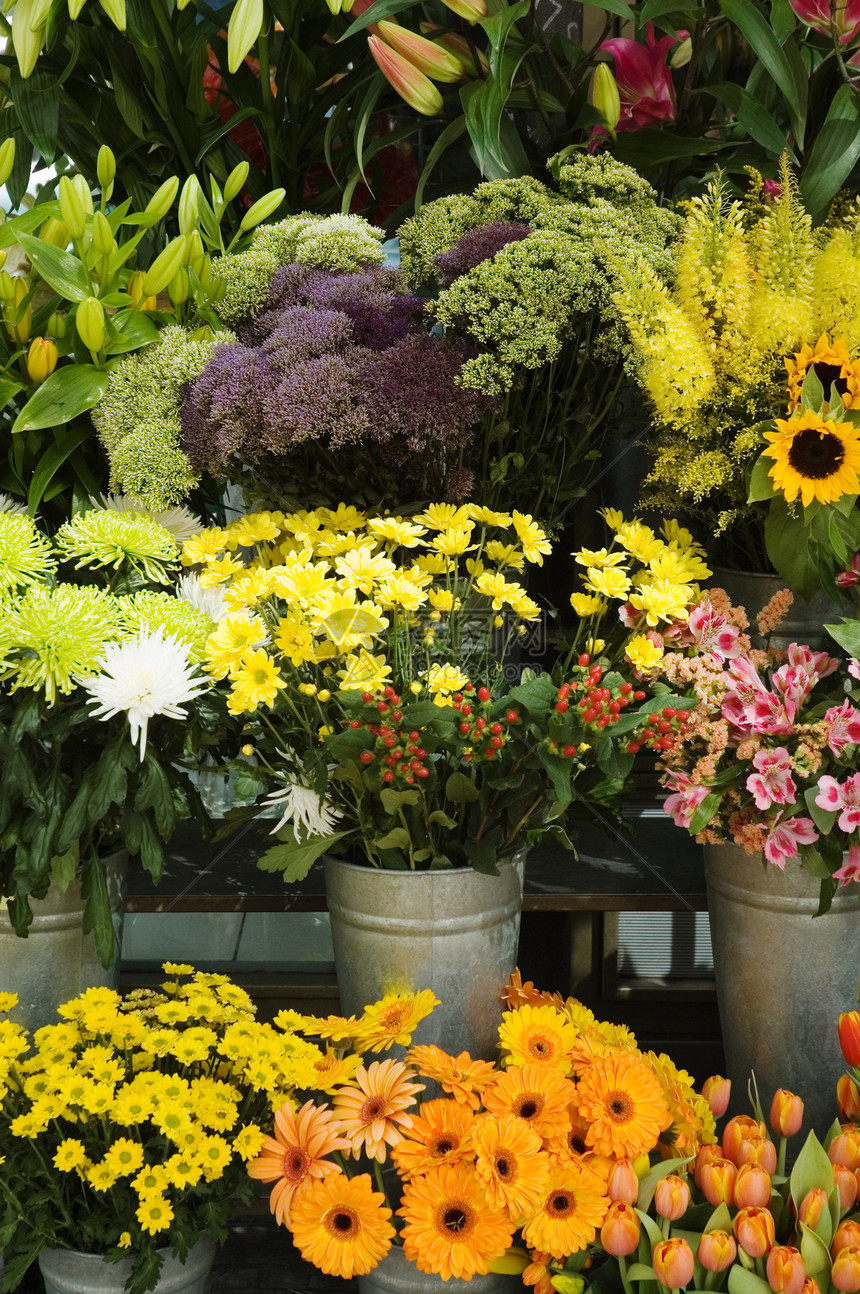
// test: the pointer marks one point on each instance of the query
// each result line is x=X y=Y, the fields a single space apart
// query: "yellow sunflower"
x=451 y=1229
x=814 y=458
x=539 y=1035
x=440 y=1134
x=393 y=1019
x=623 y=1103
x=342 y=1226
x=832 y=364
x=572 y=1209
x=536 y=1093
x=509 y=1163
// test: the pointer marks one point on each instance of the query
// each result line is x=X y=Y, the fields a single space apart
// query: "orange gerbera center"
x=506 y=1167
x=528 y=1105
x=373 y=1109
x=619 y=1107
x=456 y=1219
x=442 y=1145
x=560 y=1204
x=342 y=1223
x=296 y=1163
x=540 y=1047
x=394 y=1015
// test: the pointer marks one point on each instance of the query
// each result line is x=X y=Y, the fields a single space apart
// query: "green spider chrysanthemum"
x=50 y=636
x=178 y=618
x=114 y=539
x=25 y=554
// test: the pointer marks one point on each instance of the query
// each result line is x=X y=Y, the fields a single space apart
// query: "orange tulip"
x=845 y=1273
x=813 y=1204
x=672 y=1197
x=810 y=1286
x=786 y=1113
x=848 y=1096
x=849 y=1036
x=758 y=1150
x=752 y=1187
x=717 y=1091
x=622 y=1184
x=785 y=1270
x=717 y=1251
x=413 y=86
x=847 y=1237
x=754 y=1231
x=718 y=1182
x=619 y=1234
x=674 y=1263
x=845 y=1147
x=846 y=1184
x=705 y=1155
x=738 y=1130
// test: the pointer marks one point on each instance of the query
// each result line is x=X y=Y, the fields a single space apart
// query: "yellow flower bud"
x=103 y=239
x=41 y=359
x=178 y=288
x=324 y=695
x=165 y=265
x=115 y=10
x=134 y=287
x=57 y=325
x=19 y=317
x=189 y=202
x=247 y=749
x=75 y=7
x=235 y=181
x=162 y=200
x=2 y=258
x=7 y=158
x=83 y=191
x=513 y=1262
x=682 y=53
x=246 y=22
x=106 y=170
x=55 y=233
x=71 y=208
x=605 y=96
x=28 y=32
x=90 y=323
x=7 y=287
x=262 y=209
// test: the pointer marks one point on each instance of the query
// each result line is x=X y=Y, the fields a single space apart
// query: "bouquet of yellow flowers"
x=126 y=1126
x=525 y=1148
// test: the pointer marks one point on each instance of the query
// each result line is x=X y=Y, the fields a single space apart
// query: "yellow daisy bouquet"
x=508 y=1169
x=371 y=660
x=126 y=1126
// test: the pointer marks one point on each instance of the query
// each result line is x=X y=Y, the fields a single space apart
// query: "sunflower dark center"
x=455 y=1219
x=830 y=374
x=577 y=1144
x=816 y=454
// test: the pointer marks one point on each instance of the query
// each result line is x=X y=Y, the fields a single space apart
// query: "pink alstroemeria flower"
x=683 y=804
x=772 y=783
x=854 y=667
x=846 y=578
x=845 y=17
x=850 y=869
x=785 y=838
x=844 y=798
x=843 y=726
x=644 y=80
x=712 y=633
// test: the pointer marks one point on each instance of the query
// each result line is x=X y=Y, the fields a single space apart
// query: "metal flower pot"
x=455 y=932
x=804 y=622
x=782 y=978
x=57 y=961
x=396 y=1275
x=66 y=1271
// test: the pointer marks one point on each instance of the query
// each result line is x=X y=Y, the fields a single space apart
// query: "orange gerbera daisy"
x=372 y=1113
x=572 y=1209
x=333 y=1070
x=450 y=1228
x=536 y=1093
x=342 y=1226
x=393 y=1019
x=516 y=993
x=294 y=1157
x=509 y=1163
x=439 y=1134
x=537 y=1034
x=461 y=1076
x=623 y=1103
x=538 y=1273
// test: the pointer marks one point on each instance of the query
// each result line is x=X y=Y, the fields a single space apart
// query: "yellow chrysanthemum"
x=588 y=604
x=599 y=557
x=610 y=581
x=643 y=654
x=537 y=1035
x=256 y=681
x=815 y=458
x=294 y=638
x=394 y=530
x=363 y=672
x=445 y=679
x=154 y=1213
x=534 y=541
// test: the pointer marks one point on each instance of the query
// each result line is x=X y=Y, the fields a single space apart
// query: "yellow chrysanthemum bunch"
x=130 y=1121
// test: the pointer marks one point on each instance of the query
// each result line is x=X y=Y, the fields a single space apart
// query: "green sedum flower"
x=26 y=556
x=49 y=637
x=118 y=539
x=150 y=611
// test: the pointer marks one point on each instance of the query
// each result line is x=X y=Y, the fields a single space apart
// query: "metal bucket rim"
x=330 y=860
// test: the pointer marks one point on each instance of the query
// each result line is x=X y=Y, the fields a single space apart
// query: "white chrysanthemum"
x=181 y=522
x=210 y=600
x=145 y=676
x=8 y=504
x=303 y=808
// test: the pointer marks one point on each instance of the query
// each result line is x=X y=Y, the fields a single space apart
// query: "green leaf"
x=618 y=7
x=37 y=104
x=397 y=838
x=69 y=391
x=296 y=858
x=813 y=862
x=66 y=442
x=441 y=819
x=379 y=10
x=756 y=120
x=11 y=230
x=761 y=486
x=648 y=1182
x=63 y=868
x=394 y=800
x=459 y=788
x=847 y=635
x=97 y=914
x=60 y=270
x=757 y=30
x=449 y=135
x=155 y=793
x=8 y=389
x=789 y=549
x=743 y=1282
x=132 y=329
x=482 y=855
x=705 y=812
x=814 y=1251
x=811 y=1168
x=836 y=149
x=824 y=819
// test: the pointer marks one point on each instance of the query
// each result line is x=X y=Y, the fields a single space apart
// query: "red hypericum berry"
x=664 y=726
x=490 y=753
x=563 y=691
x=356 y=723
x=584 y=659
x=422 y=772
x=596 y=672
x=410 y=750
x=512 y=716
x=367 y=696
x=468 y=756
x=615 y=707
x=497 y=742
x=389 y=742
x=415 y=765
x=415 y=736
x=561 y=707
x=396 y=715
x=382 y=707
x=466 y=709
x=496 y=728
x=388 y=691
x=638 y=696
x=420 y=753
x=410 y=778
x=569 y=752
x=583 y=704
x=625 y=688
x=366 y=757
x=458 y=696
x=388 y=776
x=480 y=723
x=483 y=694
x=391 y=760
x=625 y=700
x=665 y=743
x=465 y=728
x=398 y=753
x=669 y=713
x=470 y=687
x=683 y=716
x=633 y=747
x=647 y=734
x=590 y=715
x=603 y=720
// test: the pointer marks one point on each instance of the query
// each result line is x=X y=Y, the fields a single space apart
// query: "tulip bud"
x=847 y=1237
x=163 y=268
x=71 y=208
x=262 y=209
x=705 y=1155
x=115 y=10
x=103 y=239
x=785 y=1270
x=848 y=1096
x=717 y=1251
x=178 y=288
x=752 y=1187
x=845 y=1273
x=673 y=1263
x=7 y=158
x=513 y=1261
x=846 y=1184
x=189 y=202
x=810 y=1286
x=845 y=1147
x=106 y=170
x=758 y=1150
x=57 y=325
x=849 y=1036
x=28 y=32
x=235 y=181
x=754 y=1231
x=431 y=59
x=786 y=1113
x=813 y=1204
x=718 y=1181
x=619 y=1234
x=672 y=1197
x=738 y=1130
x=162 y=200
x=717 y=1091
x=55 y=233
x=622 y=1184
x=412 y=86
x=246 y=23
x=90 y=323
x=605 y=95
x=83 y=191
x=41 y=359
x=471 y=10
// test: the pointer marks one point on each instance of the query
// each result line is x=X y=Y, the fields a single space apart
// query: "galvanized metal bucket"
x=57 y=961
x=455 y=932
x=782 y=978
x=396 y=1275
x=65 y=1271
x=804 y=622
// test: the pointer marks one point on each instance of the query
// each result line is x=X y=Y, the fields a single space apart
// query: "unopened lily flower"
x=435 y=62
x=411 y=84
x=843 y=17
x=471 y=10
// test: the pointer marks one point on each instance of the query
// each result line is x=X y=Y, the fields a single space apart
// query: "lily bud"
x=7 y=158
x=754 y=1231
x=57 y=325
x=28 y=32
x=471 y=10
x=106 y=170
x=235 y=181
x=672 y=1197
x=845 y=1147
x=673 y=1263
x=847 y=1237
x=605 y=95
x=619 y=1234
x=813 y=1204
x=41 y=359
x=54 y=232
x=718 y=1181
x=7 y=286
x=413 y=86
x=681 y=54
x=189 y=201
x=564 y=1283
x=71 y=208
x=262 y=209
x=246 y=23
x=163 y=268
x=786 y=1113
x=705 y=1155
x=848 y=1096
x=19 y=316
x=717 y=1251
x=849 y=1036
x=103 y=239
x=846 y=1184
x=196 y=250
x=845 y=1273
x=134 y=287
x=162 y=200
x=738 y=1130
x=717 y=1091
x=90 y=323
x=785 y=1270
x=204 y=273
x=474 y=60
x=622 y=1184
x=752 y=1187
x=75 y=7
x=178 y=288
x=115 y=10
x=758 y=1150
x=83 y=191
x=429 y=58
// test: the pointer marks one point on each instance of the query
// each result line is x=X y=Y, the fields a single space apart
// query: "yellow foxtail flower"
x=431 y=59
x=412 y=85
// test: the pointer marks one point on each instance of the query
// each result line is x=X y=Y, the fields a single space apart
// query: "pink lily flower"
x=817 y=14
x=644 y=80
x=683 y=804
x=784 y=840
x=850 y=869
x=843 y=726
x=772 y=783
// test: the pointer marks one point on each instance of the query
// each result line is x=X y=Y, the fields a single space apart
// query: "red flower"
x=644 y=79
